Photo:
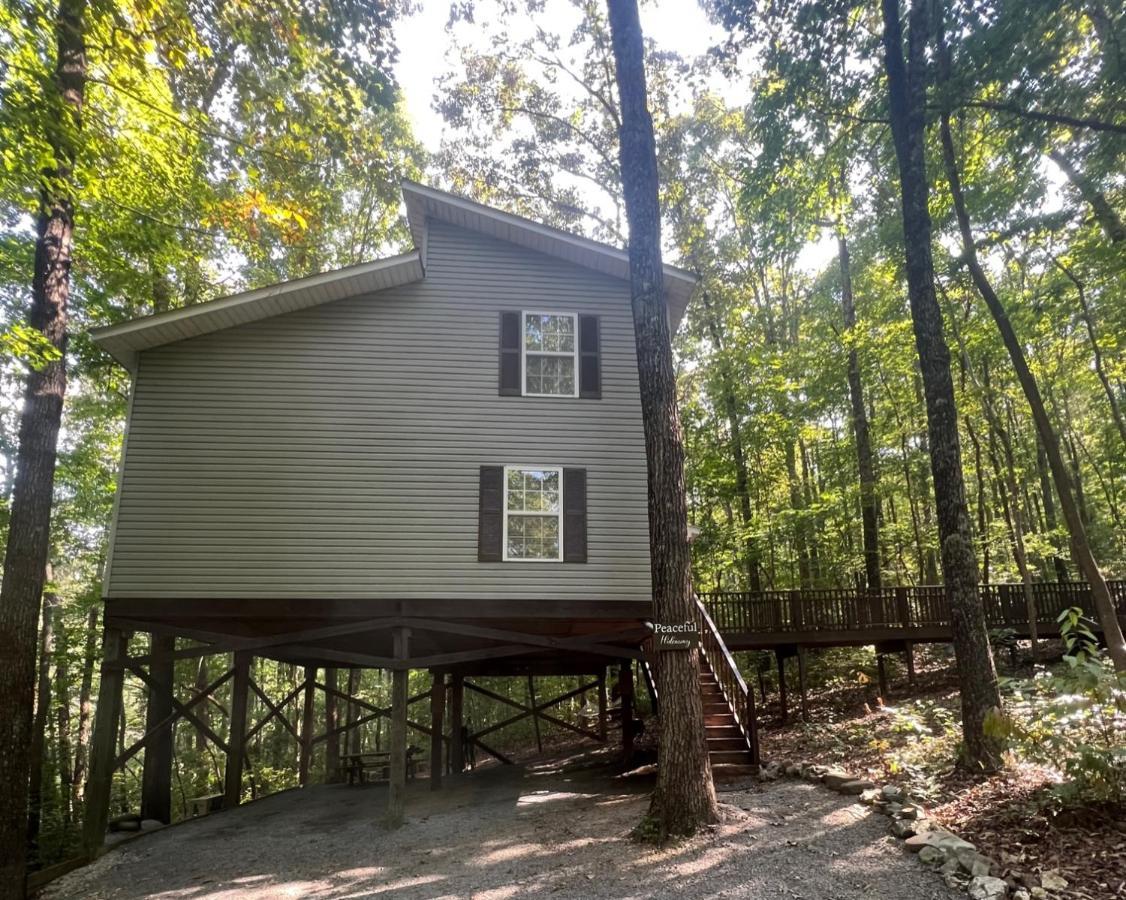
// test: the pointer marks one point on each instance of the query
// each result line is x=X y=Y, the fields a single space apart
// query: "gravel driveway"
x=513 y=832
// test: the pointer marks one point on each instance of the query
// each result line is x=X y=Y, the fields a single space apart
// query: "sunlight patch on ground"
x=506 y=853
x=550 y=797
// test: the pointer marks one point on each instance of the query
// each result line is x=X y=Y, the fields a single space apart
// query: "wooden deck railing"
x=741 y=700
x=899 y=608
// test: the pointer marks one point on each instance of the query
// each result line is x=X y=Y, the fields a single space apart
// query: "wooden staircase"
x=726 y=744
x=729 y=708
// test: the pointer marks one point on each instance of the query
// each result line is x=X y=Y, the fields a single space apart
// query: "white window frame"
x=574 y=354
x=525 y=467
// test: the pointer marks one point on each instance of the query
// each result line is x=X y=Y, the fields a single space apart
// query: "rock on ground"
x=513 y=833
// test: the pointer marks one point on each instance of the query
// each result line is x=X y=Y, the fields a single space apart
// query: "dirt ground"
x=550 y=829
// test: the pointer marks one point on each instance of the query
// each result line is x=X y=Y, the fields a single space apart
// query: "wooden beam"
x=535 y=714
x=397 y=782
x=494 y=753
x=232 y=780
x=307 y=725
x=332 y=741
x=100 y=778
x=802 y=686
x=909 y=653
x=625 y=684
x=225 y=643
x=437 y=715
x=156 y=775
x=274 y=711
x=457 y=749
x=603 y=706
x=590 y=644
x=527 y=711
x=783 y=694
x=184 y=709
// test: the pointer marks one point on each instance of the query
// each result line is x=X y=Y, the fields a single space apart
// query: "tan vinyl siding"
x=335 y=451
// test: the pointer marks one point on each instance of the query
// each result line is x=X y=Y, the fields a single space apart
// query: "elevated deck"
x=849 y=617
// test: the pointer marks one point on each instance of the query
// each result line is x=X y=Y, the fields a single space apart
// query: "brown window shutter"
x=574 y=515
x=490 y=515
x=510 y=354
x=590 y=362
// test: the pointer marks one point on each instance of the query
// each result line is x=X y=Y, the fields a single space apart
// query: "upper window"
x=533 y=513
x=550 y=354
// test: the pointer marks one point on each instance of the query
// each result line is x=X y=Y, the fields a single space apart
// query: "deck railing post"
x=903 y=607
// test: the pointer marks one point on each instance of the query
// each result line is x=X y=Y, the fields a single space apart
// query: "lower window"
x=533 y=513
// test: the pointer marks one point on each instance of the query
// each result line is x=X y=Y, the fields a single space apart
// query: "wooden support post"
x=909 y=652
x=457 y=747
x=625 y=685
x=307 y=726
x=103 y=742
x=437 y=718
x=802 y=686
x=353 y=738
x=882 y=676
x=783 y=694
x=397 y=782
x=156 y=776
x=602 y=706
x=535 y=715
x=332 y=738
x=236 y=740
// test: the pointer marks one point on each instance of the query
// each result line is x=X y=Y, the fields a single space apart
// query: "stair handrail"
x=729 y=678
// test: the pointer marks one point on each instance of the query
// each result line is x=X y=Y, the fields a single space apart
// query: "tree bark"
x=684 y=798
x=29 y=523
x=907 y=83
x=869 y=512
x=1059 y=564
x=82 y=738
x=1100 y=593
x=39 y=723
x=62 y=721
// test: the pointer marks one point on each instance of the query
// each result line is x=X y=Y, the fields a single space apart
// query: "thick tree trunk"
x=39 y=723
x=684 y=798
x=907 y=103
x=869 y=512
x=29 y=523
x=1100 y=593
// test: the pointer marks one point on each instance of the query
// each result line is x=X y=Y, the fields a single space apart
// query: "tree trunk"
x=735 y=440
x=907 y=104
x=868 y=503
x=1100 y=368
x=82 y=739
x=62 y=721
x=1100 y=593
x=684 y=798
x=1058 y=562
x=1104 y=213
x=25 y=559
x=39 y=723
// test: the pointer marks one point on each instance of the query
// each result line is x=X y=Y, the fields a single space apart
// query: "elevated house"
x=433 y=461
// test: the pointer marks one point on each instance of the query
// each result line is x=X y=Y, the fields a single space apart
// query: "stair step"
x=731 y=771
x=738 y=757
x=727 y=743
x=711 y=719
x=723 y=731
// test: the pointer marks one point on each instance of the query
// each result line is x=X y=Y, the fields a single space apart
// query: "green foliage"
x=1073 y=719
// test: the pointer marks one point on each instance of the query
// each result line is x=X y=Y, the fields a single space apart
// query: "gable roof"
x=126 y=339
